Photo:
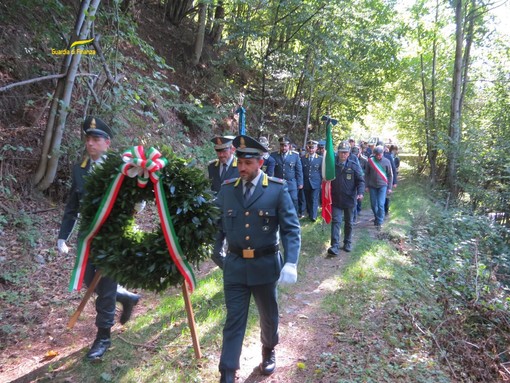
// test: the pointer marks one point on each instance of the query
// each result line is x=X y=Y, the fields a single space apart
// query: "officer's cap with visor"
x=344 y=146
x=312 y=143
x=95 y=127
x=222 y=142
x=322 y=143
x=248 y=147
x=284 y=140
x=264 y=142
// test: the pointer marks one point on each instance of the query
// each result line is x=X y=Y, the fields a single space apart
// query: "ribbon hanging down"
x=144 y=165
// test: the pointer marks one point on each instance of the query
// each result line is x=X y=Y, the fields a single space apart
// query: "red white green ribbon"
x=144 y=165
x=378 y=169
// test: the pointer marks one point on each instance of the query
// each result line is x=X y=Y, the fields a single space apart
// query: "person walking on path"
x=219 y=170
x=256 y=213
x=288 y=167
x=347 y=187
x=312 y=179
x=98 y=136
x=379 y=182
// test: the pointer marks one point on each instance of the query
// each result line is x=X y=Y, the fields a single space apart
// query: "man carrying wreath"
x=97 y=135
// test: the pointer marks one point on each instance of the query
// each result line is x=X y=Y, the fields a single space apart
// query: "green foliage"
x=465 y=250
x=139 y=259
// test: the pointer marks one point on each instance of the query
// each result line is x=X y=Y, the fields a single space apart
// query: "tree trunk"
x=219 y=21
x=199 y=37
x=47 y=168
x=455 y=110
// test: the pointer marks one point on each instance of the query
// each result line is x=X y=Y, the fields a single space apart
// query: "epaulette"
x=234 y=162
x=85 y=162
x=230 y=181
x=277 y=180
x=213 y=161
x=293 y=151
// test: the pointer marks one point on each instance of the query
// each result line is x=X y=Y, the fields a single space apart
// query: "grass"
x=381 y=293
x=379 y=305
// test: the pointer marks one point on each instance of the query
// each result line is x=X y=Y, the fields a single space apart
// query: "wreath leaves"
x=137 y=259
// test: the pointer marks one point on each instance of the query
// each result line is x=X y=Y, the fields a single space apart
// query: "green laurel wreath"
x=138 y=259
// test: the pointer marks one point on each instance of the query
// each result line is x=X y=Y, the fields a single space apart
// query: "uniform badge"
x=265 y=228
x=349 y=177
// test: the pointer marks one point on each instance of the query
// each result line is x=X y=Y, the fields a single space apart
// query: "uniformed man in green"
x=257 y=212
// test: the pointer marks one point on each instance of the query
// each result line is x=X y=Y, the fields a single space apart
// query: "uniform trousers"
x=312 y=202
x=294 y=196
x=106 y=291
x=237 y=300
x=339 y=215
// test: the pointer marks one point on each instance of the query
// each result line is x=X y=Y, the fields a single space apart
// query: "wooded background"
x=431 y=76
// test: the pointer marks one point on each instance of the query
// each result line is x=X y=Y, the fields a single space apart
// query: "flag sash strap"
x=327 y=211
x=143 y=165
x=378 y=168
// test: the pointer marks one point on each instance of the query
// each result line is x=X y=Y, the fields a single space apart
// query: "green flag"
x=328 y=164
x=328 y=171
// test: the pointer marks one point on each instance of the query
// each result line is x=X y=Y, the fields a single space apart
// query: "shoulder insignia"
x=294 y=152
x=214 y=161
x=231 y=181
x=277 y=180
x=234 y=162
x=85 y=162
x=265 y=182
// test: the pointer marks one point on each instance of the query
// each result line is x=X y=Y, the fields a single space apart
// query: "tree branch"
x=43 y=78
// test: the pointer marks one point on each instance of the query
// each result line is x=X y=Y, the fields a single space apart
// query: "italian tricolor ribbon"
x=144 y=165
x=378 y=169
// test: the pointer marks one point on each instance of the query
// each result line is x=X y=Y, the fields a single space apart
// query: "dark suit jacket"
x=289 y=169
x=267 y=217
x=268 y=166
x=72 y=208
x=214 y=173
x=312 y=171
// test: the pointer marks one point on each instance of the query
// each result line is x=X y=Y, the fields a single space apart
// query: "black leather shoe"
x=128 y=301
x=228 y=376
x=332 y=252
x=98 y=349
x=348 y=247
x=268 y=364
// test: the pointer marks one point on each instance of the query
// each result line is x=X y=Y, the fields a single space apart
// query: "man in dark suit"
x=347 y=187
x=312 y=176
x=225 y=166
x=221 y=169
x=288 y=167
x=256 y=213
x=97 y=135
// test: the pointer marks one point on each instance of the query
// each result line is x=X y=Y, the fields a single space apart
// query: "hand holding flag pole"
x=328 y=170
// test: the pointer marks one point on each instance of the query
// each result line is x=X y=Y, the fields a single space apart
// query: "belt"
x=254 y=253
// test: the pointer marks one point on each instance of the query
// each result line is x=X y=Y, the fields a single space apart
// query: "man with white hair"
x=379 y=182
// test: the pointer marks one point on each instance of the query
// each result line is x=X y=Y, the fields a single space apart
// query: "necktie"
x=247 y=191
x=223 y=171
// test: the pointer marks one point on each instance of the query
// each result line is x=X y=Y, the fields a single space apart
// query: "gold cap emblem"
x=242 y=144
x=93 y=123
x=218 y=141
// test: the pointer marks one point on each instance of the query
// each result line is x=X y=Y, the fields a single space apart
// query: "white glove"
x=288 y=275
x=62 y=247
x=139 y=206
